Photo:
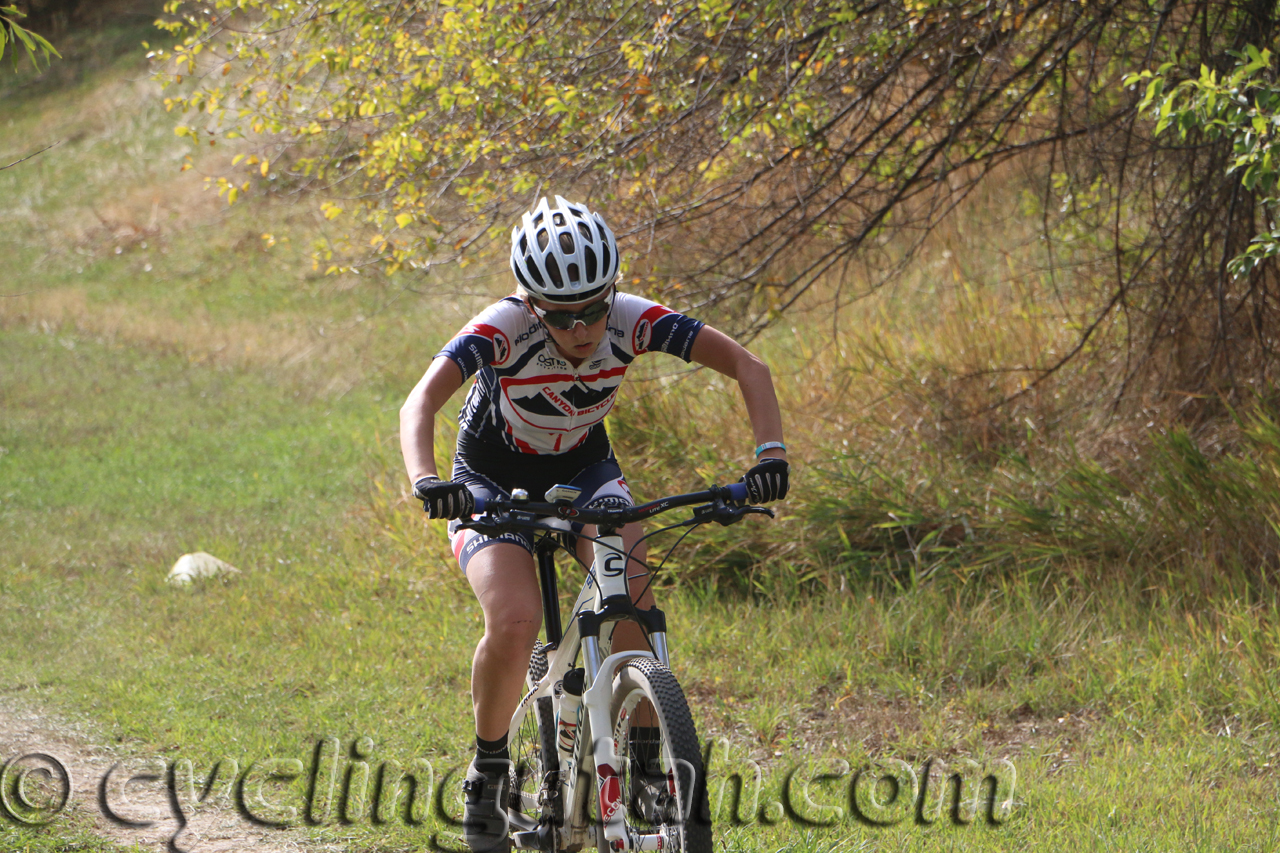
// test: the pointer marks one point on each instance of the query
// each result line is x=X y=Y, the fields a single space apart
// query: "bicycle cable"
x=652 y=571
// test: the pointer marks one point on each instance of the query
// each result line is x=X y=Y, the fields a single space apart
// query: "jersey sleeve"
x=657 y=328
x=484 y=341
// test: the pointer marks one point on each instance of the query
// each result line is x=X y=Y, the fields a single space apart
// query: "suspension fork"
x=613 y=600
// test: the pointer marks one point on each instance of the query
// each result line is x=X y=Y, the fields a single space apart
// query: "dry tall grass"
x=928 y=439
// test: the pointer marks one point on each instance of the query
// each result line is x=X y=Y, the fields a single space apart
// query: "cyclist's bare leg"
x=627 y=636
x=506 y=586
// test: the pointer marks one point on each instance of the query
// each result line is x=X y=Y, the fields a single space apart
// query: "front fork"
x=597 y=700
x=613 y=600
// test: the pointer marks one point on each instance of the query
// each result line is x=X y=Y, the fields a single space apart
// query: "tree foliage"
x=37 y=47
x=746 y=149
x=1242 y=107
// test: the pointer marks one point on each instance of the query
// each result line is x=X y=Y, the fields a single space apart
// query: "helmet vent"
x=562 y=251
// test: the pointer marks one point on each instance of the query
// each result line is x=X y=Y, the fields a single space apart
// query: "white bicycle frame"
x=609 y=577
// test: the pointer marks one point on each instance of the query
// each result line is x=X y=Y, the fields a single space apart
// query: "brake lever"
x=486 y=524
x=726 y=514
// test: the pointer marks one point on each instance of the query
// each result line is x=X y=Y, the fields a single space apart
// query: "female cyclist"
x=547 y=364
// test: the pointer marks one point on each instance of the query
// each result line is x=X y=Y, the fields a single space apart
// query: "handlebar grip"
x=480 y=500
x=738 y=491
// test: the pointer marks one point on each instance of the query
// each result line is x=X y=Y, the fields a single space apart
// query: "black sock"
x=488 y=750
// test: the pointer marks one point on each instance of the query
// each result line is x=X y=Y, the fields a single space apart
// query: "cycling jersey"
x=528 y=397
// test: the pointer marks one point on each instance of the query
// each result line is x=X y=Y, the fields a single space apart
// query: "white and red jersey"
x=528 y=397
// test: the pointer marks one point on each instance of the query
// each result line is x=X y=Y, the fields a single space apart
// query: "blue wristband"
x=770 y=445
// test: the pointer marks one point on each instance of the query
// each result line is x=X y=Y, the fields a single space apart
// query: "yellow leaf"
x=265 y=167
x=403 y=219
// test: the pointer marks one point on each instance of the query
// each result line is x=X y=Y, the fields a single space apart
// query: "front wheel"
x=662 y=786
x=533 y=753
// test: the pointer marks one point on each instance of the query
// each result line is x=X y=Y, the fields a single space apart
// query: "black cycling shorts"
x=491 y=470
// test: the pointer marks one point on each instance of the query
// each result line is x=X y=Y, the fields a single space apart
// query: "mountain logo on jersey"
x=560 y=402
x=643 y=332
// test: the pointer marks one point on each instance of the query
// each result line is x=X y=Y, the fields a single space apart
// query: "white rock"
x=198 y=565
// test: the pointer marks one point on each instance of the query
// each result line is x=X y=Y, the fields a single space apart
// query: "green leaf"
x=1250 y=179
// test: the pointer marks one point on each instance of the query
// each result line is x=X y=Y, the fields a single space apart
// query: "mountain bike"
x=603 y=745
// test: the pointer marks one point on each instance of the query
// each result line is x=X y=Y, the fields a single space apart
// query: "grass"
x=201 y=390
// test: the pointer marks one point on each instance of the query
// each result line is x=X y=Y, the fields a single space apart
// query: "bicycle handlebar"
x=526 y=512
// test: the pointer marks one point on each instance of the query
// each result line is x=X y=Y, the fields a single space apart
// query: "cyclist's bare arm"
x=713 y=348
x=417 y=417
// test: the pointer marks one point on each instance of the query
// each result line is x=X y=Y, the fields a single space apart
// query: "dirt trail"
x=26 y=732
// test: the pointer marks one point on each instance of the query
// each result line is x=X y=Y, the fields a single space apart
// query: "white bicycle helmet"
x=564 y=253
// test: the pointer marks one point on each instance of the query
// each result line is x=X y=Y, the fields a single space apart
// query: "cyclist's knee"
x=512 y=620
x=513 y=624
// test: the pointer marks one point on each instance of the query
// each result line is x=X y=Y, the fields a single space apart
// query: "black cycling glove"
x=444 y=498
x=767 y=481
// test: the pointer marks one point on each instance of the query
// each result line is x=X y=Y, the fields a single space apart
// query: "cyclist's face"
x=582 y=340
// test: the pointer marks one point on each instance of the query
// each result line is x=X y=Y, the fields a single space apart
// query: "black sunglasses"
x=566 y=320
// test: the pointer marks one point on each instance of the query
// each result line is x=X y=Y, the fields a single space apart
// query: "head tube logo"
x=34 y=788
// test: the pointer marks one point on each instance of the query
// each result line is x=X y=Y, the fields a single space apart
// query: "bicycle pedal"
x=542 y=838
x=527 y=840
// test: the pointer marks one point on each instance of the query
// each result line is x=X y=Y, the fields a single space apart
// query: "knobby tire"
x=686 y=816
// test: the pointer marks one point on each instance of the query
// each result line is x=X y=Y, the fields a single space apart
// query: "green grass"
x=73 y=835
x=231 y=400
x=1115 y=708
